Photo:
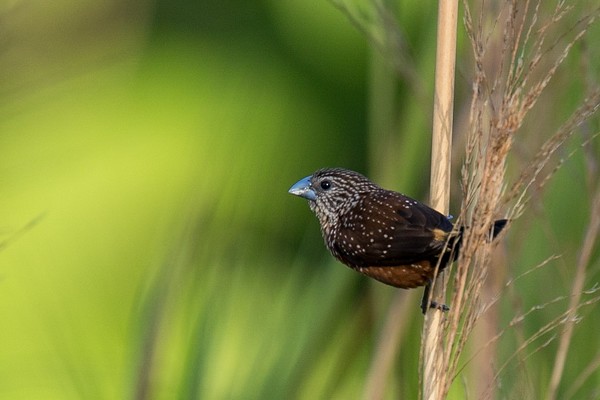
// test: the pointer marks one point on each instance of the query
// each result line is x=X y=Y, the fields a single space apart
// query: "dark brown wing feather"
x=389 y=229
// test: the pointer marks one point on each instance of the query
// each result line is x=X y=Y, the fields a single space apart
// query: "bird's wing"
x=386 y=229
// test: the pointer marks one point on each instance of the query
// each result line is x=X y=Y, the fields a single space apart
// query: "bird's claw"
x=439 y=306
x=433 y=305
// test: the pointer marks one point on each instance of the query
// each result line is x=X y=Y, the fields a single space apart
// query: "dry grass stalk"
x=432 y=343
x=502 y=98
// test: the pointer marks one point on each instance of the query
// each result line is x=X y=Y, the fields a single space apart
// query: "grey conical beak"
x=303 y=189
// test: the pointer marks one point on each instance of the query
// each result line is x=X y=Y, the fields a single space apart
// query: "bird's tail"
x=455 y=244
x=496 y=229
x=498 y=226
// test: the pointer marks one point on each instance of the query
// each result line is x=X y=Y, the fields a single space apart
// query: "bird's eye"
x=326 y=185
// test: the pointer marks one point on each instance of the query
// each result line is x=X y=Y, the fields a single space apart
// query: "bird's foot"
x=426 y=304
x=439 y=306
x=434 y=305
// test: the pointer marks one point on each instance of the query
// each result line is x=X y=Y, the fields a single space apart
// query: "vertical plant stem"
x=433 y=364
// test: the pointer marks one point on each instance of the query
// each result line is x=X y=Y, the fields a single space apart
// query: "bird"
x=380 y=233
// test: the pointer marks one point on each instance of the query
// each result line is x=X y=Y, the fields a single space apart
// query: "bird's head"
x=332 y=191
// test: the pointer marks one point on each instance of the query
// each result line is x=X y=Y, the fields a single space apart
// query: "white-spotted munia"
x=380 y=233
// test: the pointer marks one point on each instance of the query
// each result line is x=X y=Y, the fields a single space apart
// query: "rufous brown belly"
x=402 y=276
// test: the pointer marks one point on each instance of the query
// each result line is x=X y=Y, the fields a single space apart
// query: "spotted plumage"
x=379 y=233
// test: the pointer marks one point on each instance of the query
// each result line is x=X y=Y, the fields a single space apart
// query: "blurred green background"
x=149 y=246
